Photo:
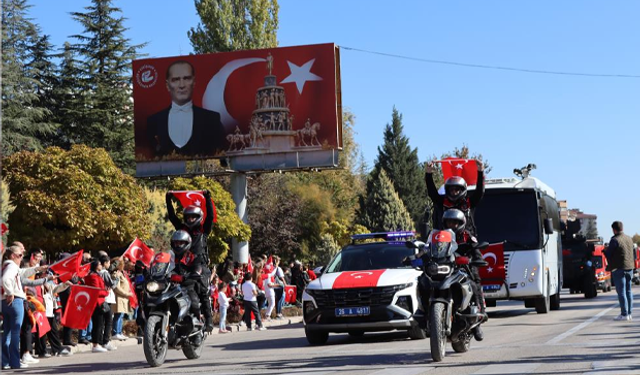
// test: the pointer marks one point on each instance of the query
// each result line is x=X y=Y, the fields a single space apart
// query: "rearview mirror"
x=482 y=245
x=548 y=226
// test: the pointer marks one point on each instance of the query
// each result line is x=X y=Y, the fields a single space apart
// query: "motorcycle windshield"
x=162 y=265
x=442 y=244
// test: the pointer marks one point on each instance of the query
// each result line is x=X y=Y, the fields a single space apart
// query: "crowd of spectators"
x=31 y=293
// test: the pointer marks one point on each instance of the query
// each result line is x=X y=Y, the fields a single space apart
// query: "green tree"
x=403 y=168
x=381 y=209
x=231 y=25
x=636 y=239
x=69 y=200
x=228 y=224
x=106 y=57
x=161 y=227
x=274 y=212
x=592 y=230
x=24 y=120
x=68 y=96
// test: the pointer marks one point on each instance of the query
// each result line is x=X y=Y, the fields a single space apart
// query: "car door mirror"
x=548 y=226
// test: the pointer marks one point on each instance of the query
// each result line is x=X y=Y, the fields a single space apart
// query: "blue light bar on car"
x=384 y=235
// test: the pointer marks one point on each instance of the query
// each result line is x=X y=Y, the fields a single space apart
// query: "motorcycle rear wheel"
x=192 y=351
x=438 y=336
x=463 y=345
x=154 y=351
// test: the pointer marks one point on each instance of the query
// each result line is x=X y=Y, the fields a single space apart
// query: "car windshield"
x=373 y=256
x=509 y=215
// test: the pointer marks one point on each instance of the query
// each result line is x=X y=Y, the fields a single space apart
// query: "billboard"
x=263 y=109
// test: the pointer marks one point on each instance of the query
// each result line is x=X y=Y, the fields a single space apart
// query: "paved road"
x=581 y=338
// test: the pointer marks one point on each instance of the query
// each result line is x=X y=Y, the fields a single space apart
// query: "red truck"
x=603 y=276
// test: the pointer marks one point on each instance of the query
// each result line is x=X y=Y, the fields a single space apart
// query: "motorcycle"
x=168 y=321
x=453 y=313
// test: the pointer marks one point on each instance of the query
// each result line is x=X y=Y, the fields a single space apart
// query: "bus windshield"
x=509 y=215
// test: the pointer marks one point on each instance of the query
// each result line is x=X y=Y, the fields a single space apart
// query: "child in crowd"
x=223 y=303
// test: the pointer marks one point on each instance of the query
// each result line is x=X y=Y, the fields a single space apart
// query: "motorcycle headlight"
x=153 y=286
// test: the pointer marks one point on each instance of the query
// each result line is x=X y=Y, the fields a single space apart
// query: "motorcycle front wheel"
x=155 y=347
x=438 y=337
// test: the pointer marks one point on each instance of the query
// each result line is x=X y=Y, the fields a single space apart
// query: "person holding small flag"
x=455 y=188
x=101 y=311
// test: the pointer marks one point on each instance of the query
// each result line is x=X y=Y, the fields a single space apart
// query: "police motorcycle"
x=452 y=312
x=168 y=321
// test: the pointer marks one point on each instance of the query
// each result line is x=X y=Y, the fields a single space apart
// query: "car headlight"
x=153 y=286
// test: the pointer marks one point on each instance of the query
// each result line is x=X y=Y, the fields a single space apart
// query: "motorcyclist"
x=188 y=265
x=455 y=196
x=455 y=220
x=198 y=228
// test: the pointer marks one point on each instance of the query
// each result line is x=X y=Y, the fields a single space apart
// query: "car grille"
x=379 y=296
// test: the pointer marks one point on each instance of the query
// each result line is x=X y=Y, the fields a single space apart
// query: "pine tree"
x=231 y=25
x=401 y=164
x=24 y=121
x=69 y=98
x=381 y=209
x=106 y=57
x=46 y=82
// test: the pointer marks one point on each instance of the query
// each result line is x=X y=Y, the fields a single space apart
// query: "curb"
x=132 y=341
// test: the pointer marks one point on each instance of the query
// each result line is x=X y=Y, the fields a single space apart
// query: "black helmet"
x=455 y=182
x=192 y=211
x=455 y=215
x=180 y=242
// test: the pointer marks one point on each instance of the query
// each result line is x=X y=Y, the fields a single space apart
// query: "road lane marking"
x=511 y=368
x=404 y=370
x=580 y=326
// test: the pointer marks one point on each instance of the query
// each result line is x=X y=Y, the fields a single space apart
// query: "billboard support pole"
x=239 y=194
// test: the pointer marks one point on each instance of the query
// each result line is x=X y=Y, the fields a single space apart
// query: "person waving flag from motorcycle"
x=455 y=189
x=198 y=226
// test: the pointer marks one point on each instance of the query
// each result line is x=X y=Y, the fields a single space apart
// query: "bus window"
x=509 y=215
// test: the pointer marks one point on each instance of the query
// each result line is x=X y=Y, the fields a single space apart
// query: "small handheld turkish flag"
x=494 y=273
x=290 y=293
x=465 y=168
x=82 y=301
x=68 y=266
x=195 y=198
x=138 y=250
x=42 y=325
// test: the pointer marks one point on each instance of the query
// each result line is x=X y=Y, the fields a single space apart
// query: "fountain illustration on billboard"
x=272 y=127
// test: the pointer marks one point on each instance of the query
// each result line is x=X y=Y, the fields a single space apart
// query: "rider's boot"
x=478 y=334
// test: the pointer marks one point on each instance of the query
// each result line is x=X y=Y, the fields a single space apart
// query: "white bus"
x=524 y=215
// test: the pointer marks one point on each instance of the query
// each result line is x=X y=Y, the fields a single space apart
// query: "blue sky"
x=580 y=131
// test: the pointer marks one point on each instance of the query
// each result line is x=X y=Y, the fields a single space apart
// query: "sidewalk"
x=132 y=341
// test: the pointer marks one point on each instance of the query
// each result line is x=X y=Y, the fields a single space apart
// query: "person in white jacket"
x=223 y=303
x=269 y=286
x=13 y=297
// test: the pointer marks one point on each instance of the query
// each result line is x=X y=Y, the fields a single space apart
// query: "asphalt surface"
x=580 y=338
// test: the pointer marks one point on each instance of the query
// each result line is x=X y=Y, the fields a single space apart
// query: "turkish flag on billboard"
x=138 y=250
x=82 y=301
x=290 y=294
x=195 y=198
x=494 y=273
x=42 y=325
x=287 y=89
x=464 y=168
x=68 y=266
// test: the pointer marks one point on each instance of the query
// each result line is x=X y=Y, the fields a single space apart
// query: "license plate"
x=491 y=288
x=353 y=311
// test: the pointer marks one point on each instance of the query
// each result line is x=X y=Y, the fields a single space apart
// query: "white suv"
x=365 y=288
